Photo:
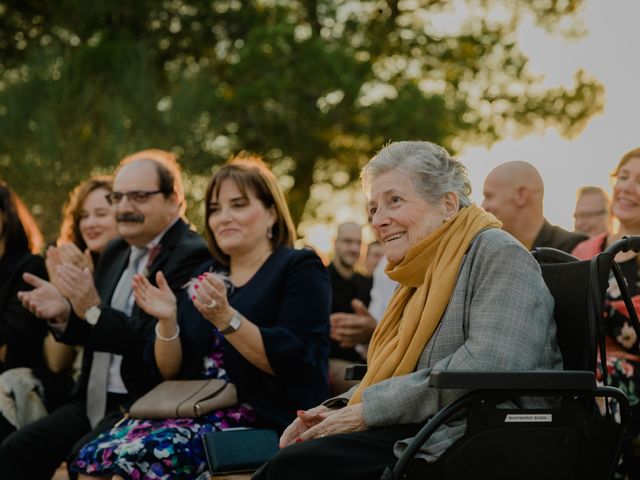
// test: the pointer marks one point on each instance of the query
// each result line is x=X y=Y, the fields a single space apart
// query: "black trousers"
x=36 y=450
x=349 y=456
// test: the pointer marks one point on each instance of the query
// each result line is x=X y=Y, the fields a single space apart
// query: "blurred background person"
x=88 y=225
x=269 y=306
x=592 y=215
x=513 y=192
x=375 y=253
x=350 y=293
x=623 y=359
x=21 y=333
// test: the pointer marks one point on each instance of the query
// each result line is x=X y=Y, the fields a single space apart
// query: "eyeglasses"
x=586 y=215
x=134 y=196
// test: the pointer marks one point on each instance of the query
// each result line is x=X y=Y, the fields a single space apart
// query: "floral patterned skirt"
x=156 y=449
x=624 y=373
x=161 y=449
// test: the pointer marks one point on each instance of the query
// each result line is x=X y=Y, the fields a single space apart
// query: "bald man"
x=514 y=193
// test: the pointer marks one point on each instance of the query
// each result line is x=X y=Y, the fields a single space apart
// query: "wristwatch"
x=234 y=324
x=92 y=315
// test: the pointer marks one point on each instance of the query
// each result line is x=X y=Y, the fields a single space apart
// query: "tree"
x=316 y=86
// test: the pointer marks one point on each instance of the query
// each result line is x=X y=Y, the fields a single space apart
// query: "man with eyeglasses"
x=148 y=200
x=592 y=216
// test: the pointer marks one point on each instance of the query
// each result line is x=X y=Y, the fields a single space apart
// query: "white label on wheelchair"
x=528 y=418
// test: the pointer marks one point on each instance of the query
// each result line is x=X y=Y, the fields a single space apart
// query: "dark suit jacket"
x=180 y=252
x=556 y=237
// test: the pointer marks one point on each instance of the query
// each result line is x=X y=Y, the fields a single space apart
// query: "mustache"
x=130 y=217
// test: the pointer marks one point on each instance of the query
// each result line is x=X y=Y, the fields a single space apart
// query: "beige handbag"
x=185 y=398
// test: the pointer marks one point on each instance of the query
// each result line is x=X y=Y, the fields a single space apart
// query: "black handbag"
x=239 y=450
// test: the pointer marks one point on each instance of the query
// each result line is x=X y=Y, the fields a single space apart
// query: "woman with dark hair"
x=20 y=239
x=258 y=317
x=21 y=333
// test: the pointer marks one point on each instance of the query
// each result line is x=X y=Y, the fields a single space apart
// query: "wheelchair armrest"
x=355 y=372
x=514 y=380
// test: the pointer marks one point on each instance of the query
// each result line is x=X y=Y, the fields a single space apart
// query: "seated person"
x=21 y=333
x=514 y=193
x=88 y=224
x=349 y=297
x=375 y=253
x=470 y=298
x=100 y=314
x=592 y=215
x=623 y=353
x=258 y=316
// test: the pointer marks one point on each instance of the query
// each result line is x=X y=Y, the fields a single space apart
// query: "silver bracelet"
x=168 y=339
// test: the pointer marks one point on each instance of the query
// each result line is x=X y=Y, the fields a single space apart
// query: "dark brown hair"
x=20 y=231
x=250 y=173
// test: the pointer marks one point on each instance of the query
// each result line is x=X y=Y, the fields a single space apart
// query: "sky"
x=608 y=52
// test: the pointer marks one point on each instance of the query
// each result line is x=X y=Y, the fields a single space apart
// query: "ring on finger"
x=212 y=303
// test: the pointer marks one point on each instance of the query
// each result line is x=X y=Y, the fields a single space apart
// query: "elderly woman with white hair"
x=470 y=298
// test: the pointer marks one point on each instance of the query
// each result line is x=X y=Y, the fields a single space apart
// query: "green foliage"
x=316 y=86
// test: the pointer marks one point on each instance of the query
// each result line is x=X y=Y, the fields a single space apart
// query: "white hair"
x=433 y=171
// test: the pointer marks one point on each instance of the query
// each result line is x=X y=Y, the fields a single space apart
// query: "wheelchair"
x=576 y=438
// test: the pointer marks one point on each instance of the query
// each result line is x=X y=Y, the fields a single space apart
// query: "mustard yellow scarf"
x=427 y=276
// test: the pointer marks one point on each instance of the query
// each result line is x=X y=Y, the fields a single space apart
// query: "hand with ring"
x=211 y=299
x=211 y=304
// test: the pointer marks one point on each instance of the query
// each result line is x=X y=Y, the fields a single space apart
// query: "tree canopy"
x=316 y=86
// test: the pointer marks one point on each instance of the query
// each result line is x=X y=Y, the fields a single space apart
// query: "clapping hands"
x=157 y=301
x=44 y=301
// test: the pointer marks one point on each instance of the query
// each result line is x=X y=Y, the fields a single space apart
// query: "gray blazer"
x=500 y=317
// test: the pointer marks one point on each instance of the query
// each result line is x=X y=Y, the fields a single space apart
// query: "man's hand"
x=351 y=329
x=44 y=301
x=77 y=285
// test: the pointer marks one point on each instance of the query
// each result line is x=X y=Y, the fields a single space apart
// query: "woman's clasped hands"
x=322 y=421
x=210 y=298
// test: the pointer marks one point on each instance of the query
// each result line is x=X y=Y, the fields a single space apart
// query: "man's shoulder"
x=192 y=240
x=181 y=234
x=557 y=237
